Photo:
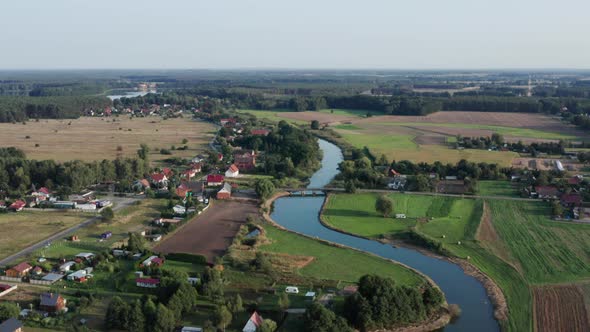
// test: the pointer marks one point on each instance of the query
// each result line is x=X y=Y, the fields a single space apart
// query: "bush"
x=187 y=258
x=165 y=151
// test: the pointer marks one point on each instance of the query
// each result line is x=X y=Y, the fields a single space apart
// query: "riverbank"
x=493 y=291
x=437 y=321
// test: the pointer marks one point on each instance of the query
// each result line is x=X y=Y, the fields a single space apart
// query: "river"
x=301 y=214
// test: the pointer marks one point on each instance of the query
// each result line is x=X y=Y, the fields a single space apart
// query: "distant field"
x=272 y=115
x=90 y=139
x=21 y=229
x=335 y=263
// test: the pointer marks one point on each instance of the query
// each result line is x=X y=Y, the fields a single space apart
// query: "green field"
x=543 y=251
x=272 y=115
x=404 y=147
x=496 y=188
x=333 y=263
x=349 y=112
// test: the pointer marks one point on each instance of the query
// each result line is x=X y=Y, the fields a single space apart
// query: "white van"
x=292 y=290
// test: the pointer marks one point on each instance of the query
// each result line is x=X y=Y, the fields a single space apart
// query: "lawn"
x=110 y=137
x=333 y=263
x=496 y=188
x=26 y=228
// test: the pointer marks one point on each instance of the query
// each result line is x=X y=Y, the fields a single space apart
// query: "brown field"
x=560 y=308
x=211 y=233
x=90 y=139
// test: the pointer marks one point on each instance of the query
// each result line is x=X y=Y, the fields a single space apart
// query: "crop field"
x=211 y=233
x=25 y=228
x=560 y=308
x=335 y=263
x=90 y=138
x=496 y=188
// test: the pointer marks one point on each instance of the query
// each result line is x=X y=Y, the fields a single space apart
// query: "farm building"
x=147 y=282
x=17 y=206
x=225 y=192
x=232 y=171
x=214 y=180
x=19 y=271
x=11 y=325
x=245 y=160
x=253 y=323
x=52 y=302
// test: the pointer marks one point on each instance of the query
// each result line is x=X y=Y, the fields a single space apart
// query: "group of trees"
x=18 y=174
x=497 y=141
x=18 y=109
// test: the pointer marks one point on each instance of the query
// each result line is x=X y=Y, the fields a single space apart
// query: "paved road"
x=122 y=203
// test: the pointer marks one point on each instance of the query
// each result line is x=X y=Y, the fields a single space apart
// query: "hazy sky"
x=393 y=34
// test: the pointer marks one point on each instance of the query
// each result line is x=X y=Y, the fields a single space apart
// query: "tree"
x=319 y=319
x=422 y=183
x=315 y=124
x=107 y=214
x=284 y=301
x=135 y=319
x=237 y=305
x=556 y=209
x=349 y=187
x=117 y=314
x=8 y=310
x=222 y=317
x=264 y=188
x=164 y=319
x=268 y=325
x=136 y=242
x=143 y=152
x=384 y=205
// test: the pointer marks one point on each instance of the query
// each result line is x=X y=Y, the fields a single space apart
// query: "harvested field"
x=90 y=139
x=211 y=233
x=560 y=308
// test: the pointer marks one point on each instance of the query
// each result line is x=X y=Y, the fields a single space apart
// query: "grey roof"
x=226 y=187
x=53 y=277
x=10 y=325
x=49 y=299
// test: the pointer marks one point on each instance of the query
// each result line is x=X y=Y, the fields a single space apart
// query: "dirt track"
x=560 y=308
x=210 y=233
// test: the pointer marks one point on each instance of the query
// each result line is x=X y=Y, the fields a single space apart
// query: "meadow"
x=496 y=188
x=93 y=138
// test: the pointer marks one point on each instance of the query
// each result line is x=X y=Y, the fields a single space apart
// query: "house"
x=349 y=290
x=196 y=167
x=43 y=193
x=225 y=192
x=37 y=270
x=547 y=192
x=52 y=277
x=179 y=210
x=153 y=260
x=5 y=289
x=19 y=271
x=159 y=180
x=11 y=325
x=85 y=255
x=393 y=172
x=162 y=221
x=245 y=160
x=571 y=200
x=232 y=171
x=199 y=159
x=253 y=323
x=188 y=174
x=398 y=183
x=79 y=276
x=17 y=206
x=141 y=185
x=52 y=303
x=227 y=122
x=167 y=171
x=147 y=282
x=259 y=132
x=214 y=180
x=191 y=329
x=65 y=267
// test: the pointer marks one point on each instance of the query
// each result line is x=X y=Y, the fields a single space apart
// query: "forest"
x=18 y=109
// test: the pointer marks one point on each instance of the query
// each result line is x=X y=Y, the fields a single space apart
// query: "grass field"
x=335 y=263
x=89 y=138
x=273 y=115
x=26 y=228
x=496 y=188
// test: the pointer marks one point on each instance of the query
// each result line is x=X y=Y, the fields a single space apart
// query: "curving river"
x=301 y=214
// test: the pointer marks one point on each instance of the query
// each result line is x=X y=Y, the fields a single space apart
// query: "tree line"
x=18 y=109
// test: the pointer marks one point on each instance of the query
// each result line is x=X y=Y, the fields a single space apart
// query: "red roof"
x=4 y=287
x=158 y=261
x=571 y=198
x=145 y=182
x=18 y=204
x=22 y=267
x=259 y=132
x=150 y=281
x=215 y=178
x=546 y=190
x=158 y=177
x=44 y=190
x=256 y=319
x=196 y=166
x=233 y=168
x=167 y=171
x=393 y=172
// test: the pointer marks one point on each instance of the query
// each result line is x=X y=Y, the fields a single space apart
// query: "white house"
x=66 y=266
x=85 y=255
x=148 y=261
x=77 y=275
x=232 y=171
x=253 y=323
x=147 y=282
x=179 y=209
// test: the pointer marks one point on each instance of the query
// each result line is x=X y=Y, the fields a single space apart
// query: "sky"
x=306 y=34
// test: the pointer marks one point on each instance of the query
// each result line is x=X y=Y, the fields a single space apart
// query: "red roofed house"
x=260 y=132
x=547 y=191
x=19 y=271
x=159 y=179
x=232 y=171
x=245 y=160
x=18 y=205
x=576 y=180
x=253 y=323
x=43 y=193
x=147 y=282
x=188 y=174
x=214 y=180
x=182 y=190
x=51 y=302
x=227 y=122
x=571 y=199
x=225 y=192
x=167 y=171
